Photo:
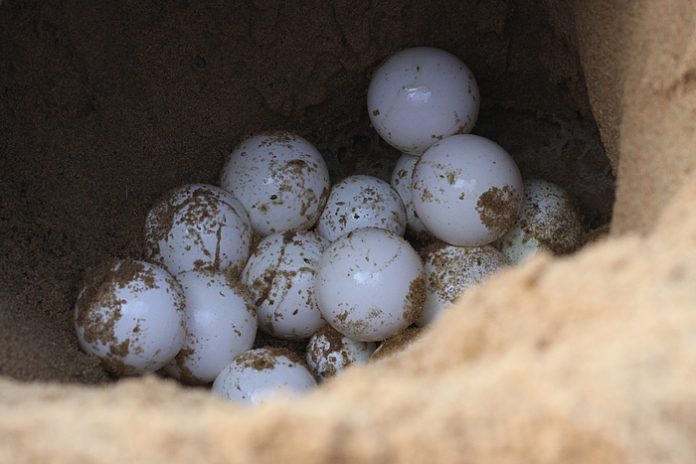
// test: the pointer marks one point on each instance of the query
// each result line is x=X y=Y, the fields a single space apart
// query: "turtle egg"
x=548 y=220
x=451 y=270
x=329 y=352
x=467 y=190
x=257 y=374
x=198 y=226
x=401 y=181
x=130 y=314
x=361 y=201
x=220 y=324
x=421 y=95
x=280 y=276
x=281 y=180
x=370 y=284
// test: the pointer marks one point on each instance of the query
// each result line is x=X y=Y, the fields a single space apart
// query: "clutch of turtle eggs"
x=276 y=247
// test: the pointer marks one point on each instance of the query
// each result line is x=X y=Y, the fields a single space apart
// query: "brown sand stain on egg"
x=451 y=177
x=333 y=345
x=497 y=208
x=185 y=374
x=267 y=358
x=415 y=299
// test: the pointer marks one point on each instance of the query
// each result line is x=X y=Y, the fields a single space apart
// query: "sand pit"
x=586 y=358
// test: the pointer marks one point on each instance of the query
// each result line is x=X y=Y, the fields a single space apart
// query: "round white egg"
x=280 y=276
x=329 y=352
x=131 y=314
x=281 y=180
x=467 y=190
x=198 y=227
x=451 y=270
x=401 y=181
x=548 y=220
x=421 y=95
x=220 y=324
x=358 y=202
x=370 y=284
x=258 y=374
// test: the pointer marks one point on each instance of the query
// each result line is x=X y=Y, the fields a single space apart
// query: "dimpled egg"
x=329 y=352
x=548 y=220
x=467 y=190
x=130 y=314
x=281 y=180
x=451 y=270
x=361 y=201
x=220 y=324
x=421 y=95
x=198 y=226
x=255 y=375
x=401 y=181
x=370 y=284
x=280 y=276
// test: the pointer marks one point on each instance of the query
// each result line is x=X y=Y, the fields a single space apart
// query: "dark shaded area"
x=105 y=105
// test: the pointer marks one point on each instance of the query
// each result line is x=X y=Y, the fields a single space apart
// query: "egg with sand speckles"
x=198 y=227
x=361 y=201
x=280 y=276
x=281 y=180
x=548 y=220
x=401 y=181
x=421 y=95
x=370 y=284
x=258 y=374
x=130 y=314
x=451 y=270
x=329 y=352
x=467 y=190
x=220 y=324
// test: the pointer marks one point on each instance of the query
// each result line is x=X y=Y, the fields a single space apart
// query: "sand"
x=587 y=358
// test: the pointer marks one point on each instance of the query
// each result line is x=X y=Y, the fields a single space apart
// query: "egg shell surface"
x=198 y=227
x=220 y=324
x=361 y=201
x=258 y=374
x=402 y=182
x=421 y=95
x=131 y=315
x=451 y=270
x=548 y=220
x=370 y=284
x=467 y=190
x=280 y=276
x=281 y=180
x=329 y=352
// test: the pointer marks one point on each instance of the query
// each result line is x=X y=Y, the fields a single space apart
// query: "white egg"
x=451 y=270
x=421 y=95
x=199 y=227
x=361 y=201
x=467 y=190
x=329 y=352
x=370 y=284
x=548 y=220
x=280 y=276
x=130 y=314
x=220 y=324
x=256 y=375
x=281 y=180
x=401 y=181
